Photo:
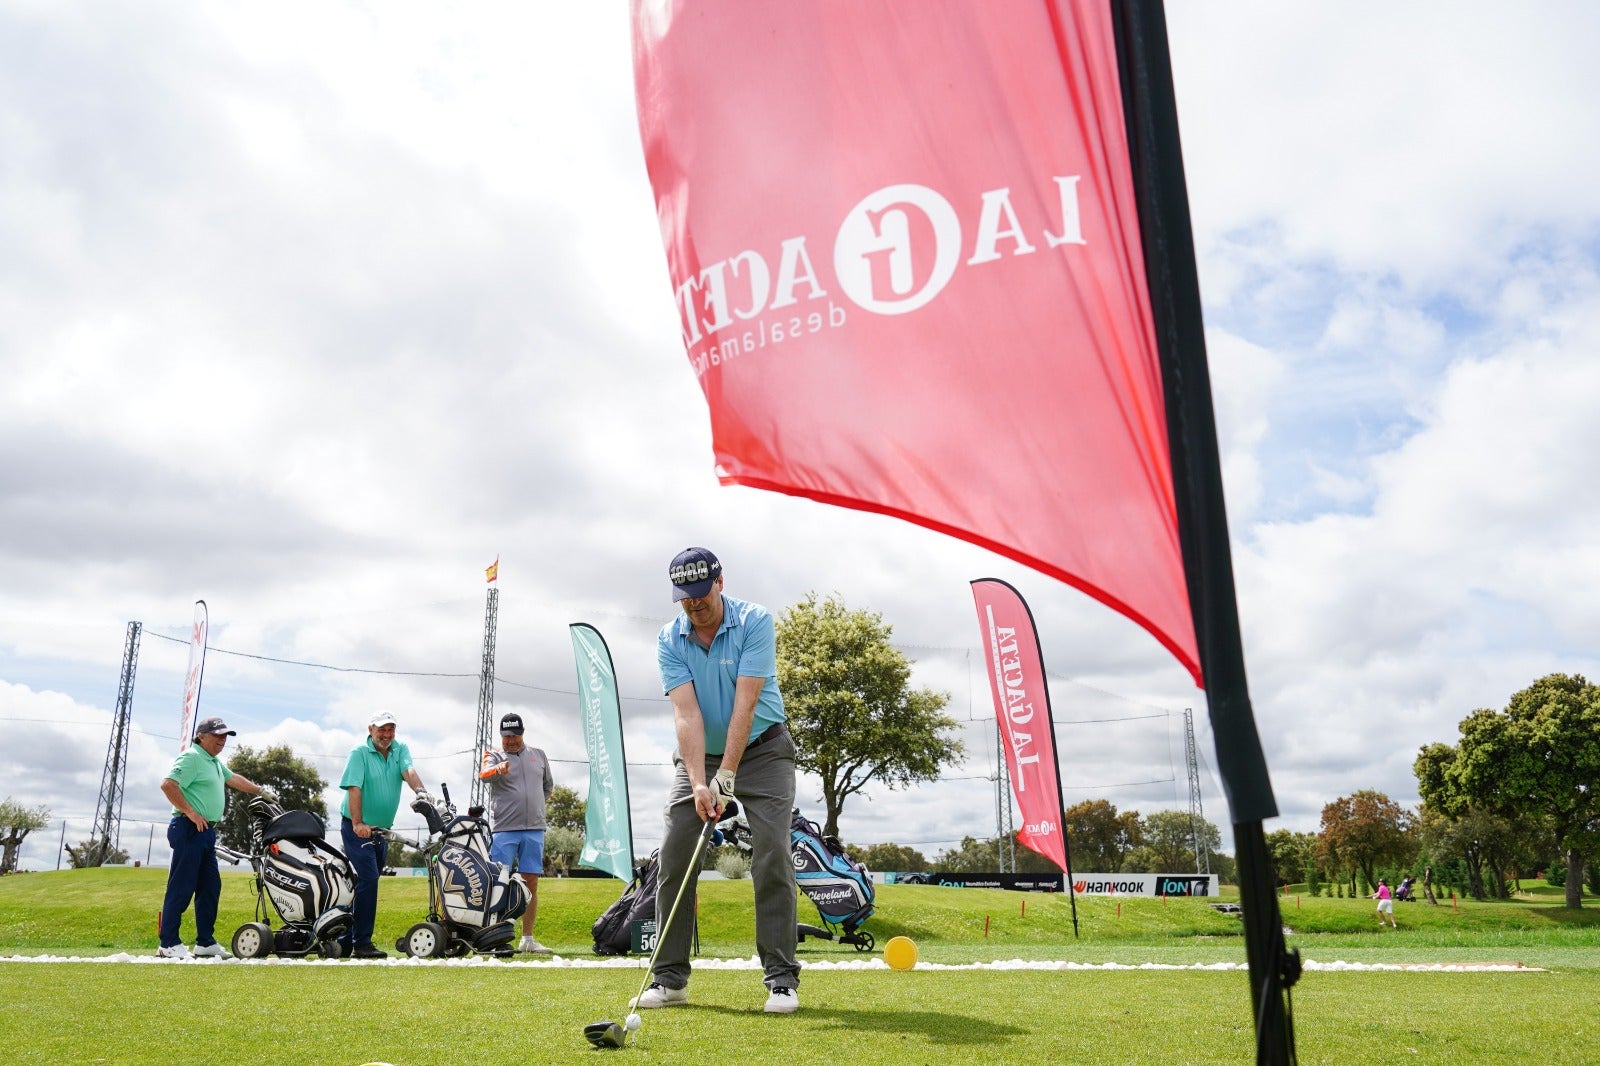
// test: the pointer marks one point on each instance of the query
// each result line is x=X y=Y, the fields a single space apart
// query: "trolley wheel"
x=253 y=940
x=330 y=949
x=426 y=940
x=459 y=948
x=864 y=942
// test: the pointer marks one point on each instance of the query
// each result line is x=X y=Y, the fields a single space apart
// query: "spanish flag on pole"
x=492 y=571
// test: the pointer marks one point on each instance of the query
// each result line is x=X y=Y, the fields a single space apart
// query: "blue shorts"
x=526 y=846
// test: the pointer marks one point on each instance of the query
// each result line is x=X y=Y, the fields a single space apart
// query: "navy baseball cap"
x=693 y=572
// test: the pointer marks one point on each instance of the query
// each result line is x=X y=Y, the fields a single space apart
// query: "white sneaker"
x=660 y=996
x=176 y=951
x=530 y=946
x=210 y=951
x=782 y=1001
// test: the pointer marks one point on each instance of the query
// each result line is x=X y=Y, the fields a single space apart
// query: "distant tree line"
x=1516 y=797
x=1103 y=840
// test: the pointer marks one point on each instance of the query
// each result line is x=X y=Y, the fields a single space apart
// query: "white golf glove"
x=722 y=787
x=269 y=795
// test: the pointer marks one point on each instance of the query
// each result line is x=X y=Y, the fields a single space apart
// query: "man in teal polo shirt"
x=196 y=785
x=371 y=784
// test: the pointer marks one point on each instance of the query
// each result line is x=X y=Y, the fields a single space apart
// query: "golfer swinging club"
x=719 y=667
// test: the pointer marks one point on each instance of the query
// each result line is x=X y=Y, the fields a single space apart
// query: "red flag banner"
x=192 y=676
x=1022 y=709
x=905 y=250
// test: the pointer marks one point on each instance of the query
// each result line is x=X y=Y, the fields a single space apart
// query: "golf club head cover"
x=722 y=787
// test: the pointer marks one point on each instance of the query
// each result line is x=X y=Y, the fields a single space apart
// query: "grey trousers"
x=764 y=787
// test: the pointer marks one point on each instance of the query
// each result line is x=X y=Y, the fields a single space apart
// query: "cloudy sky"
x=313 y=310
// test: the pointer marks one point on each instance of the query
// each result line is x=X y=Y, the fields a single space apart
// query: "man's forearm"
x=746 y=692
x=690 y=728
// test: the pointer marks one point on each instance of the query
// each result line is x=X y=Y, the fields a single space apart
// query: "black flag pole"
x=1150 y=107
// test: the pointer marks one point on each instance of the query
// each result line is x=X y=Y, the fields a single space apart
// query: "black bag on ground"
x=613 y=930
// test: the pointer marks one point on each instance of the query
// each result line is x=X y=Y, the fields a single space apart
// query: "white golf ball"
x=633 y=1022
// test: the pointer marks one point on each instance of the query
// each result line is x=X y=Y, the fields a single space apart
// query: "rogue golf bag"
x=613 y=930
x=839 y=887
x=472 y=900
x=308 y=880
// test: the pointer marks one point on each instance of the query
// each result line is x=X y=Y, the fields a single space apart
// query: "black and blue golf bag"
x=839 y=887
x=473 y=901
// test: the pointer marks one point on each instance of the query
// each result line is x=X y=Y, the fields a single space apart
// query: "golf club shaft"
x=691 y=872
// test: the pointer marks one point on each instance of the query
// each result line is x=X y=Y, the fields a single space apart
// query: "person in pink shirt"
x=1385 y=903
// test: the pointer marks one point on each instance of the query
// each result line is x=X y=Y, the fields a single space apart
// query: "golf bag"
x=472 y=900
x=308 y=880
x=839 y=887
x=613 y=930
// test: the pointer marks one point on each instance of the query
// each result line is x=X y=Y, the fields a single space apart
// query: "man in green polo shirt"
x=197 y=785
x=371 y=784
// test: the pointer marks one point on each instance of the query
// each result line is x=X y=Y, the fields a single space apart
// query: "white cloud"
x=312 y=312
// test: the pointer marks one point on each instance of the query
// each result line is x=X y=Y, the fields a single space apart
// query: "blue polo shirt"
x=378 y=778
x=746 y=645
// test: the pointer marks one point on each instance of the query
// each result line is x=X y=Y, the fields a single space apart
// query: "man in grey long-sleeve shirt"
x=519 y=786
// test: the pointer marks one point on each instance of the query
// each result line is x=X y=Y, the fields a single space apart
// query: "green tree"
x=562 y=846
x=1168 y=843
x=854 y=717
x=1100 y=835
x=886 y=857
x=564 y=810
x=1541 y=757
x=1363 y=831
x=972 y=856
x=87 y=853
x=1293 y=854
x=1457 y=824
x=297 y=783
x=16 y=822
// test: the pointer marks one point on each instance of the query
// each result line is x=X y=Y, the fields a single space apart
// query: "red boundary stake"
x=985 y=925
x=1024 y=908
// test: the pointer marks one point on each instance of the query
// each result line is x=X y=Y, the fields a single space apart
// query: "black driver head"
x=605 y=1034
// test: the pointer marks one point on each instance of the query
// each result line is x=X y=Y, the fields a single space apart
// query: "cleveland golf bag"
x=308 y=880
x=840 y=887
x=472 y=900
x=613 y=930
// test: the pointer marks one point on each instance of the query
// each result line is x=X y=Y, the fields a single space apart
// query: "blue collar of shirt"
x=684 y=627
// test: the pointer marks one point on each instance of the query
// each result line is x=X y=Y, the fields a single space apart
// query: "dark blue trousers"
x=192 y=876
x=366 y=860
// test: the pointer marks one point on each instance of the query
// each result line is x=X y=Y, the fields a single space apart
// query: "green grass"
x=419 y=1014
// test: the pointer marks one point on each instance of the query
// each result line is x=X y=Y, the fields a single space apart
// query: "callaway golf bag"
x=840 y=887
x=308 y=880
x=472 y=900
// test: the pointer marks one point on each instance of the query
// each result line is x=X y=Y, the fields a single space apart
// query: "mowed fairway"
x=414 y=1014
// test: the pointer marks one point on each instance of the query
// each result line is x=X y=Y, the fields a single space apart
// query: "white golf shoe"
x=176 y=951
x=660 y=996
x=210 y=951
x=529 y=946
x=782 y=1001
